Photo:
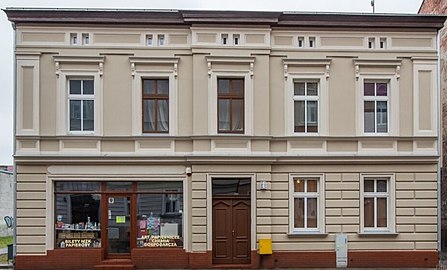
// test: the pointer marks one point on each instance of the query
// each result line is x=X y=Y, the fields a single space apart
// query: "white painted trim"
x=391 y=211
x=431 y=66
x=209 y=206
x=321 y=201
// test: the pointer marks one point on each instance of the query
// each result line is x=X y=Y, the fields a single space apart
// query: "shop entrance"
x=231 y=221
x=118 y=227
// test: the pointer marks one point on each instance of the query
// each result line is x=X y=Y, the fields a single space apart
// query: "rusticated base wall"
x=179 y=259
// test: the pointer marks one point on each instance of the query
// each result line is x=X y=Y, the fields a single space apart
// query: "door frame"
x=105 y=220
x=209 y=206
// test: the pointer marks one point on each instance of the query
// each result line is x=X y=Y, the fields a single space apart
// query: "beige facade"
x=270 y=58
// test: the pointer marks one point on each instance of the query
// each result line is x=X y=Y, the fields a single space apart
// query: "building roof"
x=144 y=17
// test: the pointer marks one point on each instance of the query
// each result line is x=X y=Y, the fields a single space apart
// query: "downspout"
x=440 y=134
x=14 y=140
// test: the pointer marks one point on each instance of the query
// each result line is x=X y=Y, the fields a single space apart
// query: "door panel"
x=118 y=225
x=231 y=231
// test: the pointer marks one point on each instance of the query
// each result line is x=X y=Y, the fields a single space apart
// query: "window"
x=78 y=215
x=371 y=43
x=81 y=95
x=382 y=43
x=305 y=204
x=375 y=109
x=230 y=105
x=306 y=97
x=300 y=42
x=236 y=39
x=149 y=40
x=155 y=105
x=85 y=39
x=224 y=39
x=160 y=214
x=161 y=40
x=376 y=204
x=311 y=42
x=73 y=38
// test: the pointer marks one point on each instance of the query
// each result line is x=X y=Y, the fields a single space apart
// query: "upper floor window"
x=375 y=109
x=306 y=98
x=81 y=96
x=230 y=105
x=156 y=105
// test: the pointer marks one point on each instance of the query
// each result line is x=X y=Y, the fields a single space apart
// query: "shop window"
x=77 y=215
x=156 y=106
x=160 y=214
x=230 y=105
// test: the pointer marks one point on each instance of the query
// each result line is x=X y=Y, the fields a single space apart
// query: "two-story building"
x=191 y=139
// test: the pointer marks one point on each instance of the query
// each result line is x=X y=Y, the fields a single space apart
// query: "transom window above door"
x=230 y=105
x=155 y=105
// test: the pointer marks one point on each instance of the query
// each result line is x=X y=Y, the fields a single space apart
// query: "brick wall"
x=440 y=7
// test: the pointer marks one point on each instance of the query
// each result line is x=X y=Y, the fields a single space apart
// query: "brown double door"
x=231 y=230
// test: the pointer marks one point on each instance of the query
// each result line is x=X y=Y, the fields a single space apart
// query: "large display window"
x=78 y=215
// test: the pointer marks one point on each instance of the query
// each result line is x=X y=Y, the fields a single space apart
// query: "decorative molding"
x=230 y=60
x=324 y=62
x=396 y=63
x=135 y=61
x=60 y=59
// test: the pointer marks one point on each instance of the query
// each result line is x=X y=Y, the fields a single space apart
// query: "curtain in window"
x=149 y=115
x=238 y=114
x=163 y=115
x=224 y=114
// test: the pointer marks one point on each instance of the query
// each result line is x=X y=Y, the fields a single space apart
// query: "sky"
x=6 y=32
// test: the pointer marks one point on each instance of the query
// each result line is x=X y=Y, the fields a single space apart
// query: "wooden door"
x=231 y=231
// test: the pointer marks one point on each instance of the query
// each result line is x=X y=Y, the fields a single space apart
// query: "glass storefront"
x=112 y=214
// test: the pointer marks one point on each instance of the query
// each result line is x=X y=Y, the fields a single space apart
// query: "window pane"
x=381 y=212
x=312 y=212
x=224 y=86
x=160 y=186
x=312 y=89
x=382 y=116
x=77 y=186
x=160 y=220
x=77 y=222
x=231 y=186
x=299 y=213
x=382 y=89
x=88 y=87
x=238 y=114
x=149 y=87
x=312 y=116
x=299 y=116
x=368 y=89
x=88 y=115
x=163 y=87
x=369 y=120
x=299 y=185
x=369 y=186
x=238 y=87
x=163 y=115
x=311 y=185
x=382 y=185
x=75 y=87
x=299 y=88
x=148 y=115
x=224 y=114
x=75 y=115
x=368 y=208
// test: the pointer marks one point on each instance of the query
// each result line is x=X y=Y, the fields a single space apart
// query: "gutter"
x=440 y=135
x=14 y=141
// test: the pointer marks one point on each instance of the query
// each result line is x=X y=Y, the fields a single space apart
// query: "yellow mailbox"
x=265 y=246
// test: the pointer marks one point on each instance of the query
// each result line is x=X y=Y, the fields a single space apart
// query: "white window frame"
x=320 y=229
x=80 y=97
x=390 y=195
x=375 y=99
x=307 y=98
x=323 y=103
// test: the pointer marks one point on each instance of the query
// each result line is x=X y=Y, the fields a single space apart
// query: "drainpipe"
x=440 y=134
x=14 y=140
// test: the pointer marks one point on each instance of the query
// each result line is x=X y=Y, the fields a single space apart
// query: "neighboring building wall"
x=440 y=7
x=6 y=199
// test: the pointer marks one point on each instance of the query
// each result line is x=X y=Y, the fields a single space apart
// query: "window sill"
x=378 y=234
x=307 y=234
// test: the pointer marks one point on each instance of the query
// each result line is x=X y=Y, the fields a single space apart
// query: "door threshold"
x=230 y=266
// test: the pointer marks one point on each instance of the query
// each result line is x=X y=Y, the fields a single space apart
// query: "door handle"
x=232 y=232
